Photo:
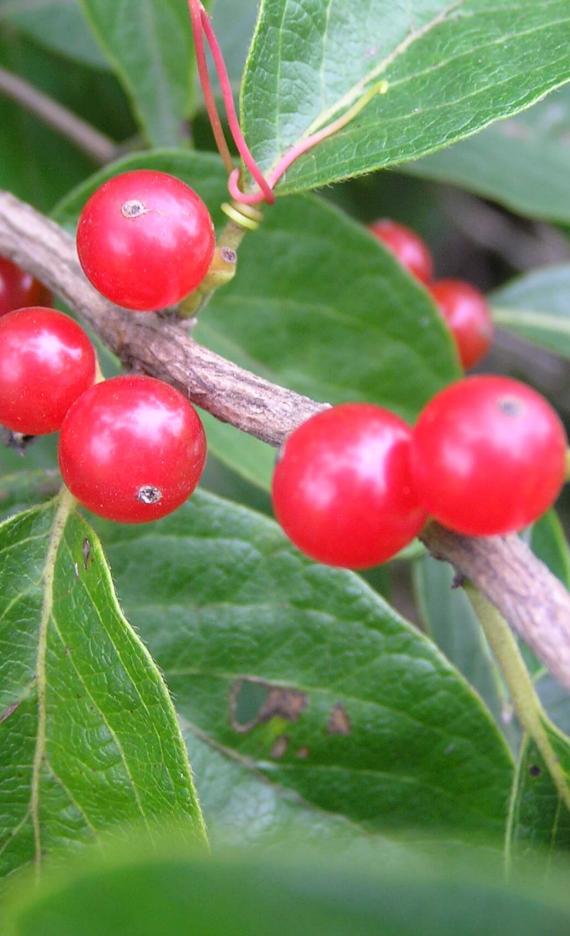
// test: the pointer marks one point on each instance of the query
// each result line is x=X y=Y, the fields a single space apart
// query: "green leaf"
x=58 y=25
x=36 y=163
x=539 y=821
x=88 y=736
x=318 y=305
x=451 y=67
x=453 y=625
x=277 y=892
x=234 y=22
x=25 y=488
x=549 y=543
x=306 y=677
x=149 y=45
x=537 y=307
x=522 y=163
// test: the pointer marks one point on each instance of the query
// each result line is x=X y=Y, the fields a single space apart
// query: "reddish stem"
x=195 y=8
x=227 y=95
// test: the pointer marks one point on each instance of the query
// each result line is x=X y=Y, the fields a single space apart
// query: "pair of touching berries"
x=354 y=484
x=463 y=307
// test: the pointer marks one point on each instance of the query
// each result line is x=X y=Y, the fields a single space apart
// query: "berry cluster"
x=463 y=307
x=131 y=449
x=355 y=485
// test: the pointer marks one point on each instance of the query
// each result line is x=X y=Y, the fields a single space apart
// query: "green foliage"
x=285 y=892
x=522 y=163
x=310 y=708
x=537 y=307
x=305 y=676
x=57 y=25
x=148 y=44
x=452 y=68
x=539 y=821
x=87 y=730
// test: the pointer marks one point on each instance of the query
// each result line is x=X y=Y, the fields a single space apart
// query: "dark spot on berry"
x=149 y=495
x=133 y=208
x=510 y=406
x=534 y=770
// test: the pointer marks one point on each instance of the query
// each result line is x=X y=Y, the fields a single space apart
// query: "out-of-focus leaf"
x=537 y=307
x=149 y=46
x=523 y=163
x=59 y=25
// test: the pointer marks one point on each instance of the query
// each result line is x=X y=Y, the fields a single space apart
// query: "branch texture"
x=502 y=568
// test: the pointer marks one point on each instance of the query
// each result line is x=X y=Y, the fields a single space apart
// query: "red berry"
x=145 y=240
x=46 y=362
x=19 y=289
x=488 y=456
x=468 y=317
x=132 y=449
x=409 y=248
x=342 y=489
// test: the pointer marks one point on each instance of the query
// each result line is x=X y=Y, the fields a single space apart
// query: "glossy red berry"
x=19 y=289
x=342 y=489
x=145 y=240
x=468 y=316
x=132 y=449
x=46 y=362
x=488 y=456
x=408 y=247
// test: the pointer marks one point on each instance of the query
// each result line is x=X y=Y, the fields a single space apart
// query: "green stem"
x=527 y=705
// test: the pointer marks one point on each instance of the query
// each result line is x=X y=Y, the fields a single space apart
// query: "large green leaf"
x=88 y=736
x=451 y=67
x=286 y=891
x=149 y=45
x=539 y=821
x=522 y=163
x=537 y=307
x=59 y=25
x=317 y=305
x=308 y=678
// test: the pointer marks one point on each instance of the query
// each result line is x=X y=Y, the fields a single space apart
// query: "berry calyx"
x=468 y=316
x=342 y=489
x=46 y=362
x=488 y=456
x=407 y=246
x=19 y=289
x=132 y=449
x=145 y=240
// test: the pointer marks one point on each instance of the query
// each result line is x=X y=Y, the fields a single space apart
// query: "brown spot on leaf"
x=5 y=715
x=534 y=770
x=86 y=550
x=280 y=746
x=339 y=722
x=254 y=702
x=303 y=753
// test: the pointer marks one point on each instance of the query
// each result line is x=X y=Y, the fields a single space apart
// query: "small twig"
x=530 y=598
x=95 y=144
